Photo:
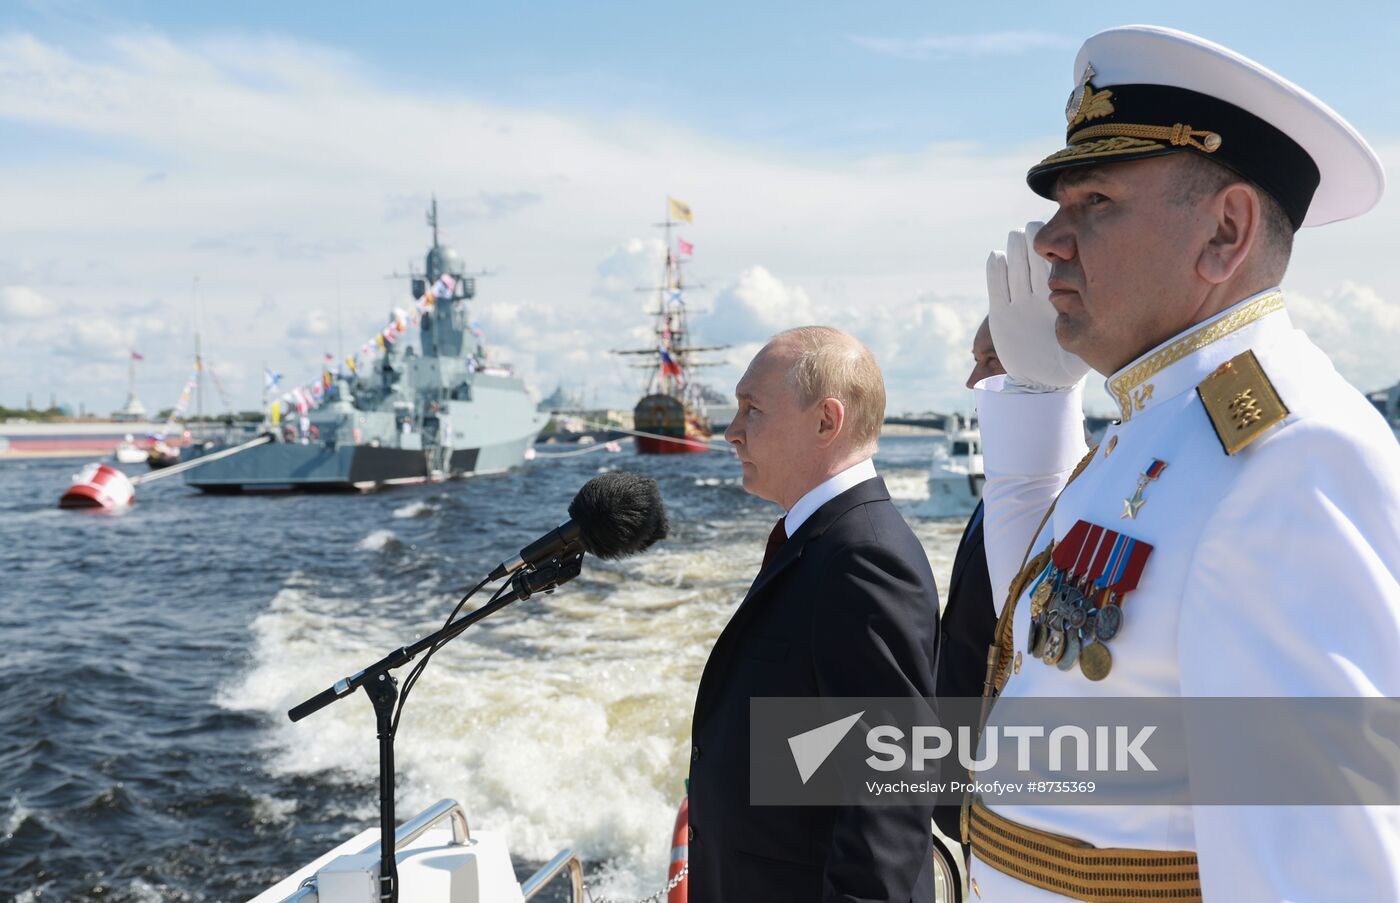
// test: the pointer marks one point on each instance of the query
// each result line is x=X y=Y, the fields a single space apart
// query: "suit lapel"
x=791 y=552
x=814 y=526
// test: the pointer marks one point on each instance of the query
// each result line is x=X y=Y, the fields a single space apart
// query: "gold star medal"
x=1136 y=501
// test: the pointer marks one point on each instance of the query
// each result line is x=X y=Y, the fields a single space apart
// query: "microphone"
x=614 y=515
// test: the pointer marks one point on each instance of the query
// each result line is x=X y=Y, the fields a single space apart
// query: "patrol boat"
x=414 y=416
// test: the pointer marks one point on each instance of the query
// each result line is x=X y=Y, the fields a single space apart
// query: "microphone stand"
x=382 y=689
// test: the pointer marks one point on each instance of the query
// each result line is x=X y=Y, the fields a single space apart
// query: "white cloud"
x=1357 y=328
x=294 y=187
x=312 y=324
x=994 y=43
x=755 y=307
x=922 y=345
x=19 y=302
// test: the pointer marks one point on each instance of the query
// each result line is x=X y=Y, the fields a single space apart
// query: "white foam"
x=269 y=809
x=33 y=894
x=719 y=481
x=415 y=509
x=907 y=486
x=566 y=723
x=142 y=891
x=18 y=812
x=377 y=540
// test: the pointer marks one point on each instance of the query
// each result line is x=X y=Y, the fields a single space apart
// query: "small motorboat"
x=128 y=452
x=955 y=476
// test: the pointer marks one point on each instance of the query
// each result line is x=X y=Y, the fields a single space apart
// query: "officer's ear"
x=1237 y=217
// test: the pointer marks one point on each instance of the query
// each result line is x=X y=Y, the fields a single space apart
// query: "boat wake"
x=564 y=720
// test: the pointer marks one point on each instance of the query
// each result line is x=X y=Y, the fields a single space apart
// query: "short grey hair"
x=1202 y=177
x=834 y=364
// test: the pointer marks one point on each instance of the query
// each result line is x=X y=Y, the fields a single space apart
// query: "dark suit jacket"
x=969 y=622
x=847 y=608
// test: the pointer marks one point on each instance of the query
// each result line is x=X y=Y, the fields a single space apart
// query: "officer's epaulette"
x=1243 y=405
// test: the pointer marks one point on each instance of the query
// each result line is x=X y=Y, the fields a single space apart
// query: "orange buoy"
x=680 y=854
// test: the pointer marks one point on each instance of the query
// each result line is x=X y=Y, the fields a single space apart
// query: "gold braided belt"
x=1075 y=869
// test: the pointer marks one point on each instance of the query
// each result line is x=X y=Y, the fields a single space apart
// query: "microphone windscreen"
x=619 y=514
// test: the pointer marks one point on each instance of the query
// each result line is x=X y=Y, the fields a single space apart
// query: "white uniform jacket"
x=1274 y=573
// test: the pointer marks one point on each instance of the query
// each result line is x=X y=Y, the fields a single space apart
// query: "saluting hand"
x=1022 y=319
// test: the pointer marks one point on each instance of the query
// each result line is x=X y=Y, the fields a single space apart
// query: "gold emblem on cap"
x=1086 y=103
x=1076 y=97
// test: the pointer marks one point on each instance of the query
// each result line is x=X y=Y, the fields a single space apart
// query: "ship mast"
x=437 y=308
x=672 y=330
x=198 y=361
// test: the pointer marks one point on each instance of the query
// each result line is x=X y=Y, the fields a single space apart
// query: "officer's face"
x=1122 y=251
x=985 y=362
x=768 y=428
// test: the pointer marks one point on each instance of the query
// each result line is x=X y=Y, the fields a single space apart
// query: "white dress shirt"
x=806 y=506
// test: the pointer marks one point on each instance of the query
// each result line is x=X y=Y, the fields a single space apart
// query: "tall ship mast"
x=672 y=410
x=394 y=413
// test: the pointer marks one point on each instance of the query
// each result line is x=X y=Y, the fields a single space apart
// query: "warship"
x=671 y=417
x=443 y=410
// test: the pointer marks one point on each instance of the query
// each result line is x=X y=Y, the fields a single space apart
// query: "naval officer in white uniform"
x=1237 y=532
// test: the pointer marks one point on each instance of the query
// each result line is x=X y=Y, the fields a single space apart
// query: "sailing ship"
x=671 y=417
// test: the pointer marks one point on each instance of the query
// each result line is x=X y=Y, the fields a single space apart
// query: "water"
x=146 y=754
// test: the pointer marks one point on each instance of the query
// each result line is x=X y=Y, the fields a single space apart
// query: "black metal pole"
x=383 y=692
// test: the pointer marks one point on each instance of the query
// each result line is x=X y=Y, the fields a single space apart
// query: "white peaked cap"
x=1153 y=90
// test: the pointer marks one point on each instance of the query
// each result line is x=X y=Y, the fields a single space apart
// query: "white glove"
x=1022 y=319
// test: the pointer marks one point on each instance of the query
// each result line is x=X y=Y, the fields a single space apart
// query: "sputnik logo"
x=811 y=748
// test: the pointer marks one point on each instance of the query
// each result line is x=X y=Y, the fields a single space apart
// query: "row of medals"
x=1066 y=627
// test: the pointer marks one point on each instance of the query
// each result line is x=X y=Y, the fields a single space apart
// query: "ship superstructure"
x=410 y=415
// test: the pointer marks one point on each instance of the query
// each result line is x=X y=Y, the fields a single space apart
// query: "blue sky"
x=839 y=156
x=834 y=77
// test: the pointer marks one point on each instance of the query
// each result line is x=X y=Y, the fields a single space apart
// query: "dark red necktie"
x=775 y=542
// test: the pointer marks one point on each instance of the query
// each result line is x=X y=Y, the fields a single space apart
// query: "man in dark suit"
x=844 y=605
x=970 y=617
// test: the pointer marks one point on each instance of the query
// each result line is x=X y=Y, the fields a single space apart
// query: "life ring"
x=680 y=854
x=312 y=433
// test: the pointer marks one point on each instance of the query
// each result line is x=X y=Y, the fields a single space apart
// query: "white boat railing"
x=305 y=894
x=564 y=859
x=419 y=824
x=406 y=833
